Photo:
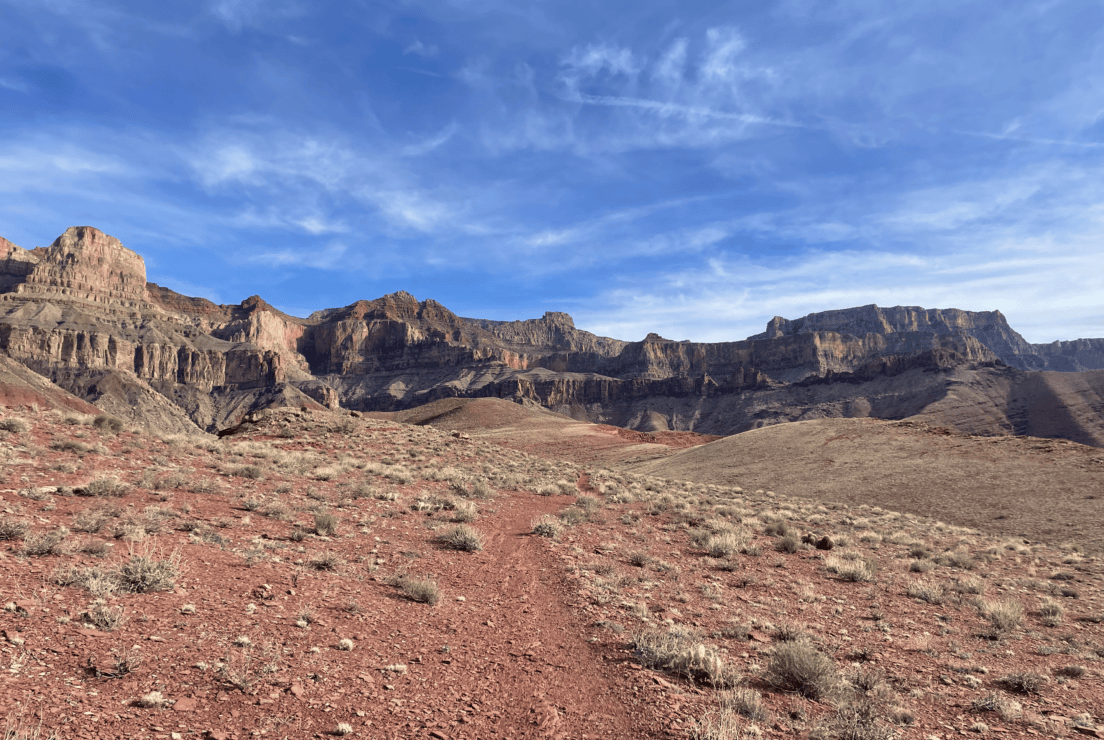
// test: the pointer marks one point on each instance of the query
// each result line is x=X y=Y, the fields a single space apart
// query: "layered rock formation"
x=81 y=313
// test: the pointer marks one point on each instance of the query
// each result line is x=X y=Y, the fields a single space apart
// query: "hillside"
x=1029 y=488
x=320 y=574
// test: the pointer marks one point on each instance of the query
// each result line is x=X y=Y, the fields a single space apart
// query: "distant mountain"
x=81 y=313
x=990 y=328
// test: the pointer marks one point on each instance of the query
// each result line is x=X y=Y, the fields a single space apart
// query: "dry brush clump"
x=682 y=652
x=801 y=668
x=463 y=537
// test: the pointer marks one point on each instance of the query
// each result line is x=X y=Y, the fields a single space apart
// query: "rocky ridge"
x=81 y=313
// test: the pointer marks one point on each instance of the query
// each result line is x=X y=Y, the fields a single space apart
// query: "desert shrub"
x=464 y=511
x=12 y=529
x=1007 y=708
x=800 y=667
x=14 y=425
x=1023 y=683
x=463 y=537
x=859 y=720
x=779 y=528
x=38 y=544
x=1004 y=616
x=97 y=548
x=788 y=544
x=423 y=590
x=71 y=445
x=848 y=569
x=1071 y=671
x=639 y=558
x=957 y=559
x=252 y=472
x=789 y=632
x=481 y=489
x=929 y=592
x=325 y=523
x=745 y=702
x=715 y=725
x=104 y=617
x=326 y=561
x=725 y=544
x=573 y=516
x=90 y=521
x=1051 y=613
x=680 y=651
x=104 y=487
x=547 y=526
x=142 y=572
x=108 y=423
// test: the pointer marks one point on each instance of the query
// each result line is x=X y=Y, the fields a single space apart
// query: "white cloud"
x=422 y=50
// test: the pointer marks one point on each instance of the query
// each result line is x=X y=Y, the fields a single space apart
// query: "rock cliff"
x=81 y=313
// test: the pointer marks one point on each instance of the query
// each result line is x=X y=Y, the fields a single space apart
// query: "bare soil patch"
x=1037 y=489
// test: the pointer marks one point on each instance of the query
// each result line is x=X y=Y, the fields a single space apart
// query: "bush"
x=1023 y=683
x=44 y=543
x=14 y=425
x=1003 y=616
x=103 y=617
x=103 y=487
x=326 y=561
x=929 y=592
x=858 y=721
x=325 y=523
x=464 y=511
x=422 y=590
x=800 y=667
x=547 y=526
x=12 y=529
x=856 y=570
x=143 y=573
x=788 y=543
x=463 y=537
x=745 y=702
x=716 y=725
x=108 y=423
x=680 y=651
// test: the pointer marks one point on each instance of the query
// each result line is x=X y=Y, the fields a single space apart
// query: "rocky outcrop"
x=87 y=265
x=988 y=329
x=15 y=265
x=81 y=313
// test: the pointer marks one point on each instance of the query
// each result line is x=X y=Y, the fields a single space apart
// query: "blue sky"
x=681 y=167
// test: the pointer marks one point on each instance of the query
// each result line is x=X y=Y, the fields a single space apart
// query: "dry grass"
x=801 y=668
x=422 y=590
x=682 y=652
x=463 y=537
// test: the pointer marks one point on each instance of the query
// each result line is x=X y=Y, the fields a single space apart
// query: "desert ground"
x=475 y=572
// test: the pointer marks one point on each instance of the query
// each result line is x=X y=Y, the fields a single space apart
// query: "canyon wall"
x=81 y=313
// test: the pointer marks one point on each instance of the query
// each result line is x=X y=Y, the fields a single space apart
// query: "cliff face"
x=988 y=329
x=81 y=312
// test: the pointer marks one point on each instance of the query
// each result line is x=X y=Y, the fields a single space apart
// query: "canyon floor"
x=484 y=570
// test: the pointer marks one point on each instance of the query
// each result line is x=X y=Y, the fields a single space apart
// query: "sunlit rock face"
x=81 y=313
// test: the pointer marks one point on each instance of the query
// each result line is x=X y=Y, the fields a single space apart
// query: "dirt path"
x=518 y=664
